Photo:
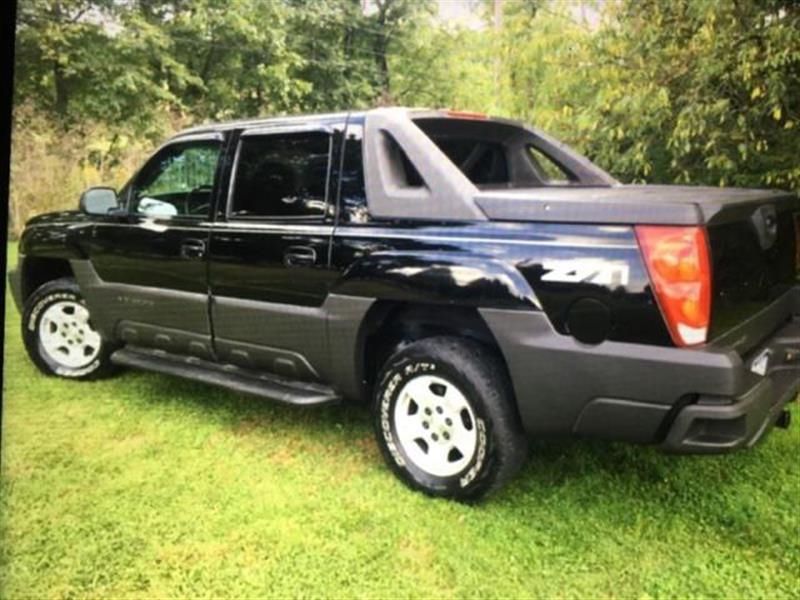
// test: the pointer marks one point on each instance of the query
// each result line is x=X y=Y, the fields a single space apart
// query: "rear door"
x=269 y=269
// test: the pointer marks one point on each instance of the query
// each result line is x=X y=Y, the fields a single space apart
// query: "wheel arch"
x=35 y=271
x=389 y=325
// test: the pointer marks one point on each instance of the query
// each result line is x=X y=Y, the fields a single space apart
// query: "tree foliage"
x=126 y=61
x=701 y=91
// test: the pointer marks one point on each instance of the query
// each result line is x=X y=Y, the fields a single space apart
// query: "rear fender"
x=438 y=278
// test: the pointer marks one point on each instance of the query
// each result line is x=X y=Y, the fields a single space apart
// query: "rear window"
x=282 y=175
x=484 y=163
x=492 y=154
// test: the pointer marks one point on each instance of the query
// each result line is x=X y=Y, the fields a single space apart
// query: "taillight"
x=466 y=114
x=680 y=271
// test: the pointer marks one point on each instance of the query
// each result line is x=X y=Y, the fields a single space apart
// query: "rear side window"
x=353 y=196
x=282 y=175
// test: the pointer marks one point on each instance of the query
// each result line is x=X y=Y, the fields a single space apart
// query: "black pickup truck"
x=477 y=281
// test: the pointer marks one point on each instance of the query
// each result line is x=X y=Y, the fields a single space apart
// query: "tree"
x=393 y=22
x=698 y=92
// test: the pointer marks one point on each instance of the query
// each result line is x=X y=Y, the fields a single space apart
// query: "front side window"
x=178 y=181
x=282 y=175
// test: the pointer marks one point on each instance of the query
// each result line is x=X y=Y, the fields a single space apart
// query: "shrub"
x=51 y=165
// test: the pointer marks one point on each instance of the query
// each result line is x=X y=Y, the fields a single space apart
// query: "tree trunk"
x=61 y=100
x=380 y=48
x=60 y=91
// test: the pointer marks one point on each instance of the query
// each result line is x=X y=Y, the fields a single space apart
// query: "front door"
x=151 y=262
x=268 y=268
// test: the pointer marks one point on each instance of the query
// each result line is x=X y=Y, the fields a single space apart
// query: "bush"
x=51 y=165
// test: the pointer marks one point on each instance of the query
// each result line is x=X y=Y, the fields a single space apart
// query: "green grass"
x=149 y=486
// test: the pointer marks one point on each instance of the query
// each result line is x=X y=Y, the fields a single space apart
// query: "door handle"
x=193 y=248
x=299 y=256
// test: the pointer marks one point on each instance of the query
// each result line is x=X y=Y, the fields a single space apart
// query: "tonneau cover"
x=626 y=204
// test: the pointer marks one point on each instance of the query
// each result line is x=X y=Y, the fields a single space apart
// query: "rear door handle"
x=299 y=256
x=193 y=248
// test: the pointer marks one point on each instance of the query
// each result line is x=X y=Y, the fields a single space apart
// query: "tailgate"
x=754 y=259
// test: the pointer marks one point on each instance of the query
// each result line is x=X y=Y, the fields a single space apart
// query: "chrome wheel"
x=66 y=336
x=435 y=425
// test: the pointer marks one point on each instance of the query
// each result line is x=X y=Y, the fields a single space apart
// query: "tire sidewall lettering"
x=386 y=423
x=480 y=455
x=32 y=325
x=33 y=319
x=64 y=372
x=388 y=396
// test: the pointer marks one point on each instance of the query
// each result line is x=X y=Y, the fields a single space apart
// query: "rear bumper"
x=717 y=424
x=700 y=400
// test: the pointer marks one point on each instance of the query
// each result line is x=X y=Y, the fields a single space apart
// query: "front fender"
x=437 y=278
x=57 y=235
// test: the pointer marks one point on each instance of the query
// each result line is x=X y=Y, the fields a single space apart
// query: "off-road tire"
x=64 y=290
x=481 y=378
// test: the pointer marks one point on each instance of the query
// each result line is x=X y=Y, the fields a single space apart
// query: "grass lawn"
x=149 y=486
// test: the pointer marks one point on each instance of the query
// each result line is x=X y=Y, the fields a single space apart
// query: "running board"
x=227 y=376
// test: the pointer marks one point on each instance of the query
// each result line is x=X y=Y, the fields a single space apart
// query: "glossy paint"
x=748 y=275
x=149 y=252
x=477 y=264
x=251 y=267
x=568 y=303
x=56 y=235
x=499 y=265
x=489 y=264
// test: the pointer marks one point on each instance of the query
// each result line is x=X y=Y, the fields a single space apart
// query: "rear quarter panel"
x=526 y=266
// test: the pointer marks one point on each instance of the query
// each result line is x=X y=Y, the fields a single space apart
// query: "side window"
x=353 y=192
x=282 y=175
x=550 y=172
x=178 y=181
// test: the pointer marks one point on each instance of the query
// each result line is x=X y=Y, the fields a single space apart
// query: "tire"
x=58 y=335
x=445 y=419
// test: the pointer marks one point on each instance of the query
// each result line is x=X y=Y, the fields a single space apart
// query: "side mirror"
x=156 y=208
x=99 y=200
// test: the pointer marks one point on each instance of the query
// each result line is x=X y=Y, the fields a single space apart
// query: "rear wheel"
x=445 y=419
x=59 y=336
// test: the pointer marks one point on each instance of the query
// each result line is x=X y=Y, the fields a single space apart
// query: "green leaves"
x=698 y=92
x=729 y=85
x=702 y=92
x=128 y=62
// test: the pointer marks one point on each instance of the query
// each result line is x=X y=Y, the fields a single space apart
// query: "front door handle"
x=299 y=256
x=193 y=248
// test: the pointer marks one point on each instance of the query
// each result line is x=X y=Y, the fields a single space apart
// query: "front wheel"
x=445 y=419
x=59 y=336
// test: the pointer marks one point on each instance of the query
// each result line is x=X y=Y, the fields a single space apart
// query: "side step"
x=226 y=376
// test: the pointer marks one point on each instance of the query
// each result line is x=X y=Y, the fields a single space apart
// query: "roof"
x=325 y=118
x=264 y=121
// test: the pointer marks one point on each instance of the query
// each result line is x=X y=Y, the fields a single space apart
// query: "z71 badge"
x=585 y=270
